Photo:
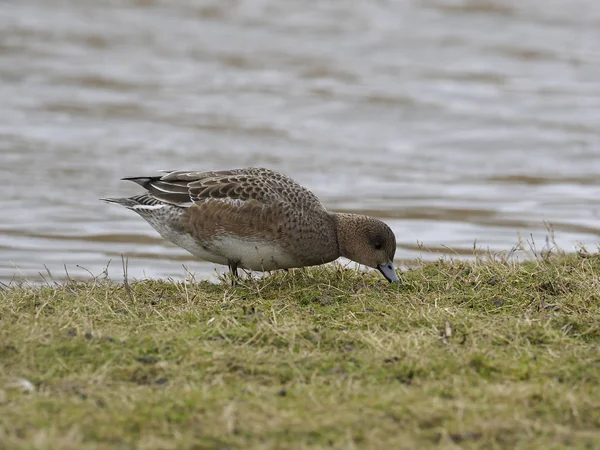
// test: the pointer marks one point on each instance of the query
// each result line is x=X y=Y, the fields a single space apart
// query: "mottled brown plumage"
x=257 y=219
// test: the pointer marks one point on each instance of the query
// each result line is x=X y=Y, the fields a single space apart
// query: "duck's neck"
x=346 y=225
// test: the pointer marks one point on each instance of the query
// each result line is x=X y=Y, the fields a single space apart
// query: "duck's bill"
x=388 y=271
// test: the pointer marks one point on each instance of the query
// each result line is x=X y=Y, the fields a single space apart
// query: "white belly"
x=187 y=242
x=253 y=254
x=184 y=240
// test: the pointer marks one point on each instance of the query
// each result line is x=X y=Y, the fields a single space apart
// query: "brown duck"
x=257 y=219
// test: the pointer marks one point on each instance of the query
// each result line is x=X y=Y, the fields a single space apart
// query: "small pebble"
x=20 y=383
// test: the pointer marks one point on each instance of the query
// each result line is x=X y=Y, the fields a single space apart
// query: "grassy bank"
x=471 y=355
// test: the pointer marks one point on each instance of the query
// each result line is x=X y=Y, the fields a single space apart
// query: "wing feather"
x=235 y=187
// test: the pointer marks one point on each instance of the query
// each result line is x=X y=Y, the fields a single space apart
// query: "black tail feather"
x=145 y=182
x=174 y=192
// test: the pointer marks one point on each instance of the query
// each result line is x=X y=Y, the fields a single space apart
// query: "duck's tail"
x=145 y=182
x=138 y=203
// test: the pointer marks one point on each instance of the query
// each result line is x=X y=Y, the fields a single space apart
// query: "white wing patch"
x=237 y=202
x=147 y=207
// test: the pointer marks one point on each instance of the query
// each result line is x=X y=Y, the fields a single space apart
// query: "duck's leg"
x=233 y=270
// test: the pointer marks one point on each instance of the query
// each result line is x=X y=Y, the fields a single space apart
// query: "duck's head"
x=367 y=241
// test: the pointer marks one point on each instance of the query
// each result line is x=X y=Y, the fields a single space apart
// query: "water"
x=454 y=121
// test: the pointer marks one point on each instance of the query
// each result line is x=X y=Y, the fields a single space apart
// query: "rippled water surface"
x=454 y=121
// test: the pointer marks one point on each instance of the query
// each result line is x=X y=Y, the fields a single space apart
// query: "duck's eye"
x=378 y=246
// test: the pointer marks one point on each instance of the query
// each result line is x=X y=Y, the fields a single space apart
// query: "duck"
x=257 y=219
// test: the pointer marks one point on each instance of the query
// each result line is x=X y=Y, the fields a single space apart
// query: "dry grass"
x=488 y=354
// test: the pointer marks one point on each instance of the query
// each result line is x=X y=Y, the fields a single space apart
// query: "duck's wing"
x=234 y=187
x=173 y=192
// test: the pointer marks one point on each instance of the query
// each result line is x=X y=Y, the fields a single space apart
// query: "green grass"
x=485 y=354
